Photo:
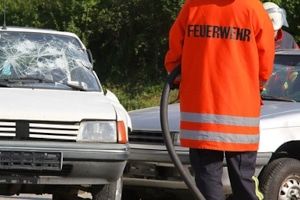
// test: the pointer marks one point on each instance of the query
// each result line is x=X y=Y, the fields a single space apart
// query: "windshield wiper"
x=28 y=80
x=3 y=84
x=274 y=98
x=25 y=80
x=75 y=87
x=8 y=81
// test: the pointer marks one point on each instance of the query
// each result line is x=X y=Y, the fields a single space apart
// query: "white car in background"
x=150 y=173
x=60 y=132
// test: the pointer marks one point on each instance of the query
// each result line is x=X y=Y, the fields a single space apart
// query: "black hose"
x=164 y=120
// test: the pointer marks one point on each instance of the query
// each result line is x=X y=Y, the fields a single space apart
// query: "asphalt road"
x=37 y=197
x=26 y=197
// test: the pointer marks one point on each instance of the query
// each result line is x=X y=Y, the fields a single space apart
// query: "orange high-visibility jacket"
x=226 y=52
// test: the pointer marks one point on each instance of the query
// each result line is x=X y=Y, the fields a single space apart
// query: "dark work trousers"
x=208 y=167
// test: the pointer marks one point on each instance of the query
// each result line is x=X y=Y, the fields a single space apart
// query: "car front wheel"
x=280 y=179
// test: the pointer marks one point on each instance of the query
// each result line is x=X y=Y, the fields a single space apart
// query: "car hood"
x=279 y=122
x=54 y=105
x=279 y=125
x=279 y=114
x=274 y=114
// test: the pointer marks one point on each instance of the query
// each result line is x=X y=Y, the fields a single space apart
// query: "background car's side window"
x=295 y=85
x=276 y=83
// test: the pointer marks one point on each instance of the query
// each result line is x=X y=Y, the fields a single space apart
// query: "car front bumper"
x=151 y=166
x=80 y=163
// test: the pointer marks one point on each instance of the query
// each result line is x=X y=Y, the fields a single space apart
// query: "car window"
x=284 y=82
x=59 y=60
x=285 y=59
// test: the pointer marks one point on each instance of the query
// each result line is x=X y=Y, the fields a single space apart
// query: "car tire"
x=111 y=191
x=280 y=179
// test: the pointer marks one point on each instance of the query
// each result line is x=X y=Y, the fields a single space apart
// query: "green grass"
x=140 y=95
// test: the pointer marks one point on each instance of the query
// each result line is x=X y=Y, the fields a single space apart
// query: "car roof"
x=38 y=30
x=288 y=51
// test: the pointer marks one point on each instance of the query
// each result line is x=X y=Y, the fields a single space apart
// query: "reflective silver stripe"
x=219 y=119
x=219 y=137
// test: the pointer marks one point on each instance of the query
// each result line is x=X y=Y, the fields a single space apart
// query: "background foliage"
x=128 y=38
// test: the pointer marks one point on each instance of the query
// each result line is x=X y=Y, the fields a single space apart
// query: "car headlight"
x=98 y=131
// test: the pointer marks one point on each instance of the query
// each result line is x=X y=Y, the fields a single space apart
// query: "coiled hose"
x=164 y=121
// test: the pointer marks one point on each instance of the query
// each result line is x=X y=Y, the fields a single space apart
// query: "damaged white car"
x=60 y=132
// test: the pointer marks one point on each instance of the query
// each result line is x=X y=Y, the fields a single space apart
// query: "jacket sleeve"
x=266 y=49
x=176 y=39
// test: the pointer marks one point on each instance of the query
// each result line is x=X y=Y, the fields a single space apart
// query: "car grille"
x=65 y=171
x=146 y=137
x=39 y=130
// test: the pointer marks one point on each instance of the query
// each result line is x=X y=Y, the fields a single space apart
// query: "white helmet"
x=277 y=15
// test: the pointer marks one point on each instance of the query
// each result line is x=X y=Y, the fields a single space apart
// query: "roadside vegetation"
x=138 y=95
x=128 y=39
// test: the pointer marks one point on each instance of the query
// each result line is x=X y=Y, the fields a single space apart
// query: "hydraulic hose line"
x=167 y=136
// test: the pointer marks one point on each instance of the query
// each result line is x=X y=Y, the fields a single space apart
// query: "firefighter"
x=283 y=39
x=226 y=56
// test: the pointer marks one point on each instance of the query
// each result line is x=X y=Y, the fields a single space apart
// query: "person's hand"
x=176 y=83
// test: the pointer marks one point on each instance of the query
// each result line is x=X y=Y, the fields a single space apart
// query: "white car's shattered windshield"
x=284 y=83
x=44 y=60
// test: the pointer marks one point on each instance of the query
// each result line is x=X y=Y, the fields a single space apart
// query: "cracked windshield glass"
x=44 y=60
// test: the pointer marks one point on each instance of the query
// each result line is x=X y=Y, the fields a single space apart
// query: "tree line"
x=128 y=38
